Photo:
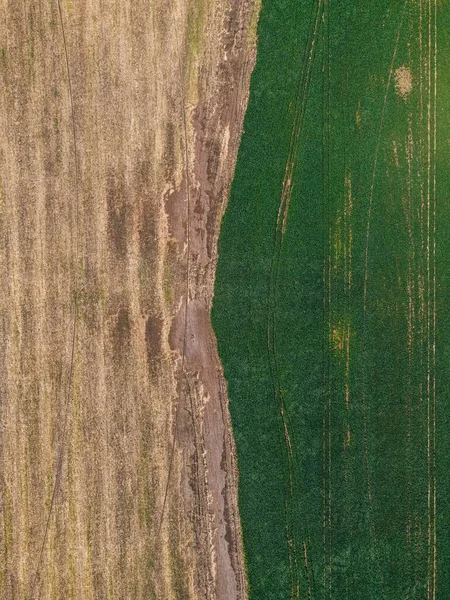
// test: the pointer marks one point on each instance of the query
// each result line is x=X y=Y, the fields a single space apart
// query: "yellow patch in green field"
x=348 y=438
x=340 y=334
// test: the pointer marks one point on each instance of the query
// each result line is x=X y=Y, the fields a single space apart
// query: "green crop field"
x=332 y=302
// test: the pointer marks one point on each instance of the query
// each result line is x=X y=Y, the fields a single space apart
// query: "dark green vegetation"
x=332 y=306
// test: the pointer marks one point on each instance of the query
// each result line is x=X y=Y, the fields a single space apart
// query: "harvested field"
x=120 y=124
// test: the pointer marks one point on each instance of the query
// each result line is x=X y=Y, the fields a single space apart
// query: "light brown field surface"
x=119 y=122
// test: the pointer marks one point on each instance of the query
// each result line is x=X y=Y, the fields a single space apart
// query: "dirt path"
x=120 y=126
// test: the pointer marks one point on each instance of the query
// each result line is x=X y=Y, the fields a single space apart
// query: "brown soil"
x=120 y=125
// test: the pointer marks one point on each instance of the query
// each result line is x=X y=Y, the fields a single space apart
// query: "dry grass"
x=113 y=119
x=403 y=81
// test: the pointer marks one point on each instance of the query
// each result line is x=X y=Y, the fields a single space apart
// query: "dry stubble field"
x=119 y=130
